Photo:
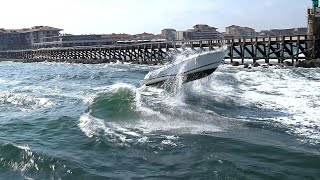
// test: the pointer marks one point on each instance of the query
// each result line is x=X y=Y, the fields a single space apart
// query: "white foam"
x=23 y=147
x=91 y=125
x=25 y=100
x=168 y=142
x=113 y=132
x=87 y=100
x=115 y=87
x=28 y=161
x=176 y=125
x=172 y=137
x=278 y=90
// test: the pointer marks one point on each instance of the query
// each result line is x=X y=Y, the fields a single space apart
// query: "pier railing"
x=278 y=47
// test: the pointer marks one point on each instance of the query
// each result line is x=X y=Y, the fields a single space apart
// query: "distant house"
x=199 y=31
x=168 y=34
x=240 y=32
x=144 y=36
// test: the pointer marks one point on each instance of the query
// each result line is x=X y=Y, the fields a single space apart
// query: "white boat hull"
x=191 y=68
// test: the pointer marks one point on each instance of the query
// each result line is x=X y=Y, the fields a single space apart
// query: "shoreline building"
x=38 y=34
x=235 y=31
x=26 y=38
x=199 y=31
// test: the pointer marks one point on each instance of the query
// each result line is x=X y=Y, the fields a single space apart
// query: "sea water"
x=75 y=121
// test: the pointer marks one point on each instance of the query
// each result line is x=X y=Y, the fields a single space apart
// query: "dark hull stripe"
x=190 y=77
x=174 y=75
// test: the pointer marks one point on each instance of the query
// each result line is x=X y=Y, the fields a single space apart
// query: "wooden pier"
x=280 y=48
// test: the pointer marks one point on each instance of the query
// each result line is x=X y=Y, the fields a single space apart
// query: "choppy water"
x=73 y=121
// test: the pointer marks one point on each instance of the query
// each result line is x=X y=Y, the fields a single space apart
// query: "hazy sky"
x=135 y=16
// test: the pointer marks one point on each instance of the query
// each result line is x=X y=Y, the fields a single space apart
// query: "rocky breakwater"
x=314 y=63
x=249 y=66
x=80 y=61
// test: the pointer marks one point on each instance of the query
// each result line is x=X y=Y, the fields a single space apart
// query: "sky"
x=136 y=16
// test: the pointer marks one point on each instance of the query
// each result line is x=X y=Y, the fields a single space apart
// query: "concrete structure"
x=199 y=31
x=169 y=34
x=240 y=32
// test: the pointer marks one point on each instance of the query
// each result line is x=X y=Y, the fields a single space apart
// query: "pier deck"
x=281 y=48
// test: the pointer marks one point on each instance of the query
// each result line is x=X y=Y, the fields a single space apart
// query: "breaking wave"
x=125 y=114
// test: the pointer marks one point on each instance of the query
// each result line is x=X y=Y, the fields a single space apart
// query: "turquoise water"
x=74 y=121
